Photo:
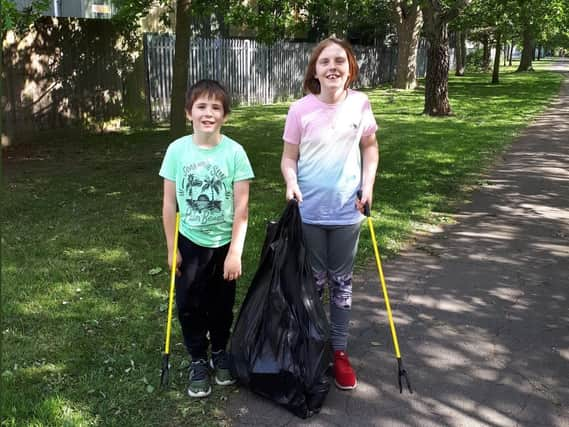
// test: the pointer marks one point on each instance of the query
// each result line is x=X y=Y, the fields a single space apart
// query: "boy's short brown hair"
x=211 y=89
x=311 y=83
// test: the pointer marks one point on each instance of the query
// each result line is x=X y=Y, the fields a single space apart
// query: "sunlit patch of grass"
x=51 y=411
x=84 y=276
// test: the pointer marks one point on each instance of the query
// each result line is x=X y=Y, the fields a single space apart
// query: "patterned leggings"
x=332 y=250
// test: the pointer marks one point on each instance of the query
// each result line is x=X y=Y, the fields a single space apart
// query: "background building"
x=99 y=9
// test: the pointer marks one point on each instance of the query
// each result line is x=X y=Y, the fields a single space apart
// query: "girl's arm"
x=232 y=265
x=289 y=168
x=169 y=220
x=370 y=156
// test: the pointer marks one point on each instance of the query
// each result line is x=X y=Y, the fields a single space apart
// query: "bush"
x=475 y=60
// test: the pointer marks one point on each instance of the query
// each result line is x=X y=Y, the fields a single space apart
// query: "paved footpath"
x=481 y=308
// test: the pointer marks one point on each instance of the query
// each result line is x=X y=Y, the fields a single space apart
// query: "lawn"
x=84 y=280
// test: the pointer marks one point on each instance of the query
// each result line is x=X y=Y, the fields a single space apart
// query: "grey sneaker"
x=199 y=379
x=220 y=363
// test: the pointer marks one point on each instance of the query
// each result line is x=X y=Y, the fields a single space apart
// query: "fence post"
x=248 y=56
x=217 y=54
x=147 y=94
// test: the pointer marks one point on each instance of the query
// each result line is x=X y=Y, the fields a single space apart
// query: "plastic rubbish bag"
x=280 y=346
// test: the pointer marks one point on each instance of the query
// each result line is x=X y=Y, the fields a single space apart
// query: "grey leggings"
x=332 y=250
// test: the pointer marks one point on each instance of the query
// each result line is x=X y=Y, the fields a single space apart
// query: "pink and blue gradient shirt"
x=330 y=164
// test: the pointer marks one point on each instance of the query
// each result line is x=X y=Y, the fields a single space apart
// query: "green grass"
x=84 y=318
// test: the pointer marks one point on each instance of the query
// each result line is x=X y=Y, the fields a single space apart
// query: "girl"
x=330 y=152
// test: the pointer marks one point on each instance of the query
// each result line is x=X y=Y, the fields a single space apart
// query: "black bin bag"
x=280 y=346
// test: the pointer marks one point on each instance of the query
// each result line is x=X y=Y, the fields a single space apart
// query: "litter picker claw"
x=401 y=372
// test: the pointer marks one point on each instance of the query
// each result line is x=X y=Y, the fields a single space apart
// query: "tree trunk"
x=459 y=53
x=527 y=51
x=506 y=52
x=512 y=46
x=180 y=69
x=436 y=29
x=539 y=52
x=409 y=23
x=436 y=80
x=496 y=71
x=485 y=53
x=463 y=35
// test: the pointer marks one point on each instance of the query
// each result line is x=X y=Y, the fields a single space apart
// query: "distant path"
x=558 y=64
x=481 y=308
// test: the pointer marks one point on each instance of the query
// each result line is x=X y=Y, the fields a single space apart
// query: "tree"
x=409 y=20
x=490 y=22
x=130 y=12
x=360 y=21
x=496 y=68
x=464 y=26
x=460 y=52
x=501 y=20
x=539 y=21
x=526 y=20
x=12 y=18
x=437 y=14
x=180 y=69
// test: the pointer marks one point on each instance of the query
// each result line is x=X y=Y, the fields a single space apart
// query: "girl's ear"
x=188 y=115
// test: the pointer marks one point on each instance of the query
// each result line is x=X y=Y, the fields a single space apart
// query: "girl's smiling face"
x=207 y=114
x=332 y=68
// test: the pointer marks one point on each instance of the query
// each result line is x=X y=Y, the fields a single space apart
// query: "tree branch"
x=454 y=11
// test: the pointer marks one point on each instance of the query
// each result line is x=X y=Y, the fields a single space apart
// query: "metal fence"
x=253 y=73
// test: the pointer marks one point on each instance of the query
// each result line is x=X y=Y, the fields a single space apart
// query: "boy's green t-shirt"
x=204 y=187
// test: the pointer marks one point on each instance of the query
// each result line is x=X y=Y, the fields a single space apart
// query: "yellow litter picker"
x=401 y=372
x=165 y=374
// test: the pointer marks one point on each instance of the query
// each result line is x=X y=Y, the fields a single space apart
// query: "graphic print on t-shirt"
x=203 y=188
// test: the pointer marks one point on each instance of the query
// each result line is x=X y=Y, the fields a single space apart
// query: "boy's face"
x=207 y=114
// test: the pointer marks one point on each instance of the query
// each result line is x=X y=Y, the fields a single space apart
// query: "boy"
x=206 y=175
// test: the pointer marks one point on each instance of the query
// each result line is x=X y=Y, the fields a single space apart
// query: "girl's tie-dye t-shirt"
x=330 y=165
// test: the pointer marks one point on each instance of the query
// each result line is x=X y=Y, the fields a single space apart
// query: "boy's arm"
x=232 y=266
x=289 y=169
x=169 y=220
x=370 y=156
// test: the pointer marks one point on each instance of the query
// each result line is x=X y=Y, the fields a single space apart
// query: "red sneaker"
x=343 y=371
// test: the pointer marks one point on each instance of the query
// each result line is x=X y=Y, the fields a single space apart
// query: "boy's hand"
x=178 y=262
x=232 y=267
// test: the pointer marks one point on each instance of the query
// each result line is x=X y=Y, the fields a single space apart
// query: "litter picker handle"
x=367 y=211
x=172 y=284
x=165 y=374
